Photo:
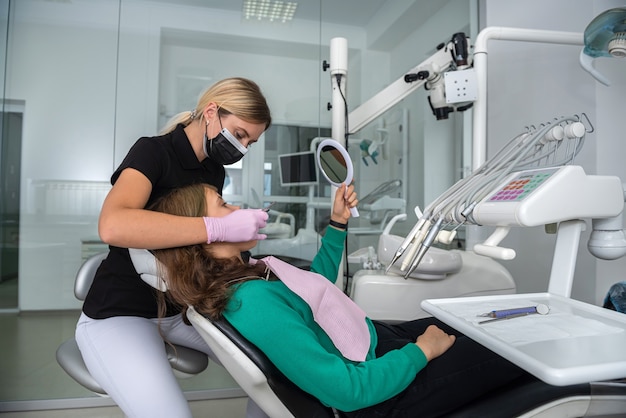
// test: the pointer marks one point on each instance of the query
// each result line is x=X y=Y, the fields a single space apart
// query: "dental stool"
x=185 y=361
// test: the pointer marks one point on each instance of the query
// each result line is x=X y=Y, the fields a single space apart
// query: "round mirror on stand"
x=335 y=164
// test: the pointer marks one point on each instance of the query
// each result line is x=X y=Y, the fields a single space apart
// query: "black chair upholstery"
x=298 y=402
x=518 y=397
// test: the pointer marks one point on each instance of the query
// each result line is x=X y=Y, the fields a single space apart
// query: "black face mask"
x=224 y=149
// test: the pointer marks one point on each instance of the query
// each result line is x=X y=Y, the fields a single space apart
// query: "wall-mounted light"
x=273 y=11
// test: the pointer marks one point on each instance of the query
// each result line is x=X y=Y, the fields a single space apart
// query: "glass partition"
x=83 y=80
x=10 y=126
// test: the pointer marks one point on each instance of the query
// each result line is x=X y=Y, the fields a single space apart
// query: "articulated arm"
x=428 y=74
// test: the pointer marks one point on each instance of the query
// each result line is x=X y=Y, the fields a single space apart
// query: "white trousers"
x=126 y=356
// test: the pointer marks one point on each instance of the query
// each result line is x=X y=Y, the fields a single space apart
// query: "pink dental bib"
x=341 y=318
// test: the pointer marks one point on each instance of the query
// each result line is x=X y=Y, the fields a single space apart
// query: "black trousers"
x=463 y=373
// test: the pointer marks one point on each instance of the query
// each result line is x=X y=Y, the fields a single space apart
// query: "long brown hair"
x=193 y=276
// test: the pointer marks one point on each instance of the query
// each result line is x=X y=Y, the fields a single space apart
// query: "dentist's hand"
x=240 y=226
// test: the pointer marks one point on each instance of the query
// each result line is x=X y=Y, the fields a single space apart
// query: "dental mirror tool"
x=335 y=164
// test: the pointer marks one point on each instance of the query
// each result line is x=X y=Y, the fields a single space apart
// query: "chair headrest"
x=145 y=264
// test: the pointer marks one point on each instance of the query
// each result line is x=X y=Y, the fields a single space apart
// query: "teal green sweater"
x=281 y=325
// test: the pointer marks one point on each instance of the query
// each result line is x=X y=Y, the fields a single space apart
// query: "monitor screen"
x=298 y=169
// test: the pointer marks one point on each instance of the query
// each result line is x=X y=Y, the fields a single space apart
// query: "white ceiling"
x=345 y=12
x=357 y=13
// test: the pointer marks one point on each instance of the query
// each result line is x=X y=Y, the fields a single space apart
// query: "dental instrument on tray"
x=519 y=315
x=540 y=309
x=531 y=181
x=499 y=315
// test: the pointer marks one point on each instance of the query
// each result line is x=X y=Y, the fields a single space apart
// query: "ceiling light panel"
x=272 y=11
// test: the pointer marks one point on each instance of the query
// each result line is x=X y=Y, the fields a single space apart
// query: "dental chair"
x=185 y=361
x=279 y=398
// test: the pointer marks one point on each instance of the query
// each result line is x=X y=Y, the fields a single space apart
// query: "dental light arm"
x=453 y=55
x=428 y=74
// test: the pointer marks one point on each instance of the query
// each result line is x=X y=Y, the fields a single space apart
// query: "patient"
x=315 y=334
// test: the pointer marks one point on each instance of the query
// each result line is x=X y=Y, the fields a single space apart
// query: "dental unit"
x=532 y=181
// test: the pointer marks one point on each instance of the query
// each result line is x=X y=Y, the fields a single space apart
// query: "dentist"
x=119 y=333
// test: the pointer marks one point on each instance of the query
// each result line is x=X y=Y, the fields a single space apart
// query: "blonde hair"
x=237 y=96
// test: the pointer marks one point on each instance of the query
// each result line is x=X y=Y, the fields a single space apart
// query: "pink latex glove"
x=240 y=226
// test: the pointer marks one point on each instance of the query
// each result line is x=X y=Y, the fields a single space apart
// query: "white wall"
x=61 y=63
x=529 y=83
x=432 y=142
x=63 y=66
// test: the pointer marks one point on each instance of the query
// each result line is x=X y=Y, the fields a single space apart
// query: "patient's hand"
x=434 y=342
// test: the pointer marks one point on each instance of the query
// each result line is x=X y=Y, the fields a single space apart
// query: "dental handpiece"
x=415 y=245
x=407 y=241
x=426 y=243
x=417 y=260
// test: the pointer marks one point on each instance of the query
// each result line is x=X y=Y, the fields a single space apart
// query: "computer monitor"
x=298 y=169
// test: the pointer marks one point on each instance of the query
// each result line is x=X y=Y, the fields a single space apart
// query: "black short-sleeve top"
x=169 y=162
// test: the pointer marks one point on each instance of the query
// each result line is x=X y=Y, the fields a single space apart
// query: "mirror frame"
x=344 y=153
x=329 y=142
